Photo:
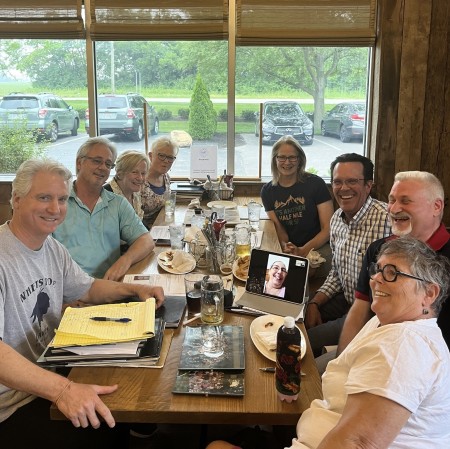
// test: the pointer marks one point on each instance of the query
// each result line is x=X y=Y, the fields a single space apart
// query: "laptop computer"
x=285 y=301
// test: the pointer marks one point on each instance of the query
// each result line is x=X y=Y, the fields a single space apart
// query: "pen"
x=270 y=369
x=116 y=320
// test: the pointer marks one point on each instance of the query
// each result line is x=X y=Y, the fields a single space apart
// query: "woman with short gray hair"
x=389 y=388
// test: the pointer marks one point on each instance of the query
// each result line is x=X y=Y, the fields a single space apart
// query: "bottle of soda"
x=287 y=372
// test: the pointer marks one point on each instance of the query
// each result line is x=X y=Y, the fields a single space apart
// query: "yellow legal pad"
x=77 y=328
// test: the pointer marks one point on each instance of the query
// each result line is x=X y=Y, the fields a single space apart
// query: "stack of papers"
x=109 y=334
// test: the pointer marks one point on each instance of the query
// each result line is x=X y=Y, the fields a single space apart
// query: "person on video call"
x=277 y=275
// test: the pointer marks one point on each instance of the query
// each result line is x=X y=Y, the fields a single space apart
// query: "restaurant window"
x=271 y=52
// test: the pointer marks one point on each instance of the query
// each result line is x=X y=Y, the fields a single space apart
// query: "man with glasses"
x=358 y=222
x=416 y=207
x=97 y=220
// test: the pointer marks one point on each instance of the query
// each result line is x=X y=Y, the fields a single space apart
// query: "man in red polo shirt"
x=416 y=207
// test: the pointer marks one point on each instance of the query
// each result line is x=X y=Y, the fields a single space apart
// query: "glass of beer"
x=242 y=233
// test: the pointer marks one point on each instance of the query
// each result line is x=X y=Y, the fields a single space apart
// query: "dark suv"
x=124 y=114
x=44 y=113
x=281 y=118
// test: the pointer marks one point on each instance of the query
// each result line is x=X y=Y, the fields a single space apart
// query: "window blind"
x=31 y=19
x=306 y=22
x=159 y=19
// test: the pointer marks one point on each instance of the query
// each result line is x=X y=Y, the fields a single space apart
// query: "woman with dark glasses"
x=162 y=155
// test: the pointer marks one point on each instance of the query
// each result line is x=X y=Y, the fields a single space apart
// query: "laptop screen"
x=276 y=275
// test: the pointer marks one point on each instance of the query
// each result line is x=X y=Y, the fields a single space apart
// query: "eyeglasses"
x=163 y=157
x=390 y=272
x=286 y=158
x=351 y=182
x=98 y=162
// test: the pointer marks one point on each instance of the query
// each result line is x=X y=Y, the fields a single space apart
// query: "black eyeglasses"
x=390 y=272
x=98 y=162
x=163 y=157
x=351 y=182
x=286 y=158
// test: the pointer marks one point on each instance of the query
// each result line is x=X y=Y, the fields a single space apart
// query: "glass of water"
x=170 y=199
x=254 y=212
x=176 y=232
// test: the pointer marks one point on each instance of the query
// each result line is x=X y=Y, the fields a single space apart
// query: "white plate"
x=235 y=268
x=165 y=264
x=262 y=324
x=225 y=204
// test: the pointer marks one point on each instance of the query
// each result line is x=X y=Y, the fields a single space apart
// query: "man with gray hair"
x=416 y=207
x=37 y=275
x=97 y=220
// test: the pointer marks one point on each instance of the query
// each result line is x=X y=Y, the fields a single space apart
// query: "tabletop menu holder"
x=212 y=361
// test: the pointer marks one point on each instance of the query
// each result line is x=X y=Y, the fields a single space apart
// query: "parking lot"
x=319 y=155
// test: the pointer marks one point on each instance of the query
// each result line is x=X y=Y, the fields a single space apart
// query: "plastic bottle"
x=287 y=372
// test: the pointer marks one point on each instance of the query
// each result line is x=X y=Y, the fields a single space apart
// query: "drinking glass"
x=242 y=234
x=176 y=232
x=254 y=211
x=170 y=199
x=211 y=302
x=192 y=286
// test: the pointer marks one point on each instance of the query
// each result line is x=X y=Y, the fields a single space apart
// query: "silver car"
x=346 y=121
x=44 y=113
x=123 y=114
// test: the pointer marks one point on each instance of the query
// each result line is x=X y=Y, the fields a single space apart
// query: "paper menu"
x=77 y=328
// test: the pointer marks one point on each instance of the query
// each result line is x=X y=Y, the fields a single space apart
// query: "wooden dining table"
x=145 y=394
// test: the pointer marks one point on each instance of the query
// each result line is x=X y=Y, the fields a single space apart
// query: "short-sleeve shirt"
x=439 y=242
x=33 y=287
x=349 y=242
x=296 y=206
x=93 y=239
x=407 y=363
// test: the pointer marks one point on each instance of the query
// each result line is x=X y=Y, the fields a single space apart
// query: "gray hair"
x=92 y=141
x=128 y=160
x=164 y=142
x=424 y=263
x=288 y=140
x=424 y=177
x=25 y=174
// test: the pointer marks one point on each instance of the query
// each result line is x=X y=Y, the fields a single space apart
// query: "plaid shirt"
x=349 y=242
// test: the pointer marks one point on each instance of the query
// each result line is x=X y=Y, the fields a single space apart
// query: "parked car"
x=281 y=118
x=346 y=121
x=124 y=114
x=44 y=113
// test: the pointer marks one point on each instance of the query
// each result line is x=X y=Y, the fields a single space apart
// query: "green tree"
x=53 y=64
x=202 y=116
x=18 y=145
x=305 y=69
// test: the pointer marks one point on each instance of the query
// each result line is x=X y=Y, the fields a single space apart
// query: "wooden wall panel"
x=412 y=92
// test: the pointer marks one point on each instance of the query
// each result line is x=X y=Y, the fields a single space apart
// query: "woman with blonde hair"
x=299 y=203
x=157 y=185
x=131 y=171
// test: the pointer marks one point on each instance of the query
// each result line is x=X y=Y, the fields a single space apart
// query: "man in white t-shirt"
x=37 y=276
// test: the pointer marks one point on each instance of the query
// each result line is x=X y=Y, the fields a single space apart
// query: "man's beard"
x=401 y=232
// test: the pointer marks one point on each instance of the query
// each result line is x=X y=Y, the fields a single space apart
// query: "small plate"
x=225 y=204
x=266 y=323
x=164 y=262
x=235 y=269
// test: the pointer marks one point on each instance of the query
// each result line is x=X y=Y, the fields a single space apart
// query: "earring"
x=425 y=311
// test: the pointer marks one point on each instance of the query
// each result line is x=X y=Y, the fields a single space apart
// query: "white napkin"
x=315 y=259
x=181 y=261
x=194 y=233
x=268 y=339
x=194 y=203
